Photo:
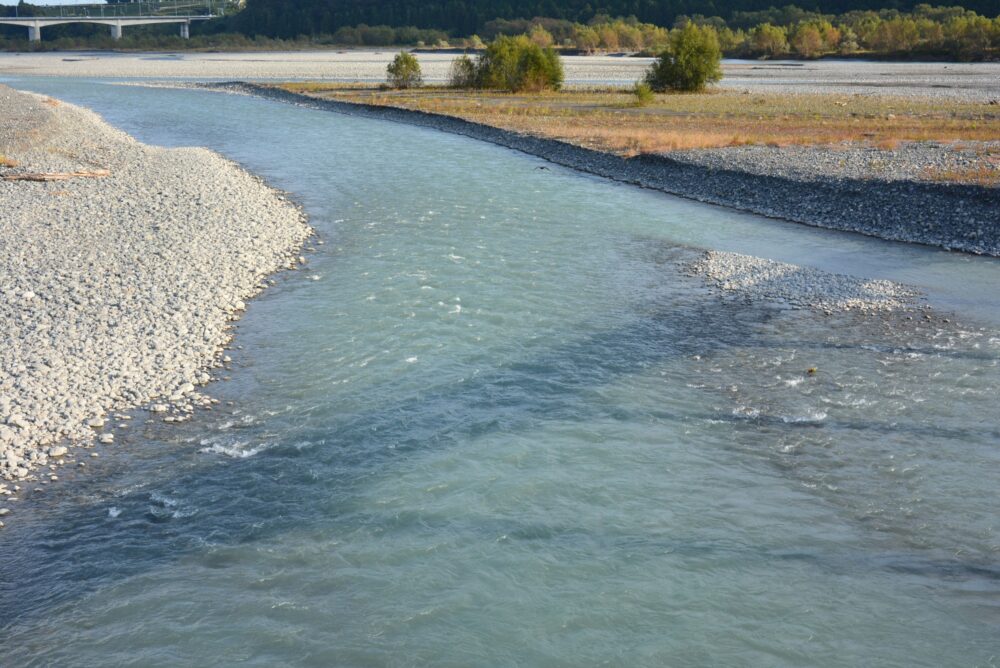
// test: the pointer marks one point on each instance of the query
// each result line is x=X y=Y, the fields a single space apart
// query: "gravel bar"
x=120 y=290
x=969 y=82
x=755 y=279
x=948 y=215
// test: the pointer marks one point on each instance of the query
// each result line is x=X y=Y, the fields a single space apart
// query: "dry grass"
x=51 y=102
x=609 y=120
x=8 y=162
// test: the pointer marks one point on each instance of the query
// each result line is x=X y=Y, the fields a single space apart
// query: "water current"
x=492 y=423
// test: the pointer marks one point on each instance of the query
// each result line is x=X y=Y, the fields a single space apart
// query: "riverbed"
x=494 y=422
x=969 y=82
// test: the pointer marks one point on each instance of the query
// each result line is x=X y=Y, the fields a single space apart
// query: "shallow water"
x=493 y=424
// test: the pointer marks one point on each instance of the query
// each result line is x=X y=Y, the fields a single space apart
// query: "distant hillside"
x=290 y=18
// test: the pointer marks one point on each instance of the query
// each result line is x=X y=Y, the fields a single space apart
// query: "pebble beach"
x=118 y=291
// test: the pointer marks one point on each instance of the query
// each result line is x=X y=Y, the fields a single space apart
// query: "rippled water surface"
x=492 y=423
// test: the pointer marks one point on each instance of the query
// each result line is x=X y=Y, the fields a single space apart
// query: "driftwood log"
x=57 y=176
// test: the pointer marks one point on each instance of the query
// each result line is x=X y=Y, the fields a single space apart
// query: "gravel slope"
x=115 y=291
x=910 y=161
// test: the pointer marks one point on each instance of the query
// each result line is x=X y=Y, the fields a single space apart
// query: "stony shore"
x=848 y=192
x=117 y=291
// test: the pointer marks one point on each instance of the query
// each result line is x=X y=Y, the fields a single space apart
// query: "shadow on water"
x=305 y=479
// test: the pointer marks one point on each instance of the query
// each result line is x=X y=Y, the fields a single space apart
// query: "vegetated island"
x=123 y=268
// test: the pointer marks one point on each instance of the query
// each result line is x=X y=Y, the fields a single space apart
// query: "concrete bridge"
x=34 y=24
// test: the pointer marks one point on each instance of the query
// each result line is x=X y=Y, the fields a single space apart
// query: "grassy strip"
x=611 y=120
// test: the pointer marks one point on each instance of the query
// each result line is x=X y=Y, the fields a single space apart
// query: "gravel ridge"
x=948 y=215
x=118 y=291
x=755 y=279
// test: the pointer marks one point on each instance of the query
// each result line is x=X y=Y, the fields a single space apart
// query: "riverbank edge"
x=21 y=461
x=946 y=215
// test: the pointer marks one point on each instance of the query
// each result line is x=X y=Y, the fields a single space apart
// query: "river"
x=491 y=423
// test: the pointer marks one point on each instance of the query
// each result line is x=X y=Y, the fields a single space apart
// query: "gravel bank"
x=117 y=291
x=755 y=279
x=910 y=161
x=801 y=186
x=970 y=82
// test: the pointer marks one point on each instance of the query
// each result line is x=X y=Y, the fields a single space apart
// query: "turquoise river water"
x=501 y=428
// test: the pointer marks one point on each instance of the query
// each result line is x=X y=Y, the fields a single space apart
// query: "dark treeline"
x=922 y=32
x=291 y=18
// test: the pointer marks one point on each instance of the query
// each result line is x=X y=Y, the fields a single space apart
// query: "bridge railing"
x=123 y=9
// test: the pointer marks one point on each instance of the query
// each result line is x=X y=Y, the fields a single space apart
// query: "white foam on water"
x=807 y=418
x=163 y=506
x=236 y=450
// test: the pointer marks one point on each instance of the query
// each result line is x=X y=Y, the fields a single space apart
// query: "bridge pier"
x=35 y=33
x=116 y=31
x=186 y=30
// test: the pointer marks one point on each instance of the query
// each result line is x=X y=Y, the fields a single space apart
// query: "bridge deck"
x=34 y=24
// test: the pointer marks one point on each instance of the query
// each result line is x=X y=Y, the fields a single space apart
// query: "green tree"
x=767 y=40
x=540 y=36
x=848 y=41
x=516 y=64
x=691 y=61
x=807 y=41
x=404 y=71
x=462 y=73
x=586 y=38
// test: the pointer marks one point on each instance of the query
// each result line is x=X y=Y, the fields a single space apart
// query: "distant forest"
x=292 y=18
x=922 y=31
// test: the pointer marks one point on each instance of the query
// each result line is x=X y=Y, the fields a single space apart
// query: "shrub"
x=404 y=71
x=509 y=63
x=462 y=73
x=643 y=94
x=691 y=60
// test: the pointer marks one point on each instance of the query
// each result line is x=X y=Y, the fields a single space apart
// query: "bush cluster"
x=404 y=71
x=691 y=61
x=511 y=64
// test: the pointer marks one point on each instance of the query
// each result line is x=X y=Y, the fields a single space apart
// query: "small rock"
x=58 y=451
x=17 y=420
x=107 y=439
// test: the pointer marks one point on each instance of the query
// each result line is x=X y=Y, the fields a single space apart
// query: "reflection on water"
x=501 y=427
